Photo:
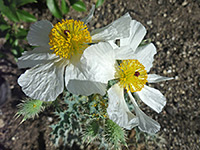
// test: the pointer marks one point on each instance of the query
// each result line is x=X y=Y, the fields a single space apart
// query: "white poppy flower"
x=57 y=56
x=102 y=64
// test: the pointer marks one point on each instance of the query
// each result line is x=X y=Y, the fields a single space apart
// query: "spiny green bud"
x=29 y=108
x=114 y=134
x=91 y=131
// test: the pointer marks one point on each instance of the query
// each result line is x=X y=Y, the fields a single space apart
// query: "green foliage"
x=60 y=8
x=111 y=83
x=22 y=2
x=91 y=132
x=99 y=3
x=13 y=34
x=54 y=8
x=79 y=6
x=11 y=11
x=29 y=109
x=115 y=135
x=84 y=120
x=64 y=7
x=68 y=129
x=25 y=16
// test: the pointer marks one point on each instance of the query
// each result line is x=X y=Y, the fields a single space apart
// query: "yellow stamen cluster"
x=69 y=38
x=131 y=75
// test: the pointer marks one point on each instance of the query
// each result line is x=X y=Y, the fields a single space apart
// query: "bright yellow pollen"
x=131 y=75
x=34 y=105
x=69 y=38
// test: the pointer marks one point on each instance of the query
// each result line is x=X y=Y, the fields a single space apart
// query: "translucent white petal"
x=89 y=16
x=153 y=78
x=116 y=30
x=118 y=110
x=145 y=55
x=77 y=83
x=146 y=124
x=38 y=34
x=153 y=98
x=44 y=82
x=137 y=33
x=98 y=62
x=129 y=45
x=37 y=56
x=83 y=87
x=112 y=43
x=124 y=52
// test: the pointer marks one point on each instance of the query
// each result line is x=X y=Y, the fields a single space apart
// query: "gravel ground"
x=173 y=26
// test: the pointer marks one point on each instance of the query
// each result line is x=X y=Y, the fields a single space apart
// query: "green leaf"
x=16 y=42
x=14 y=52
x=4 y=27
x=2 y=21
x=73 y=1
x=23 y=2
x=64 y=7
x=25 y=16
x=53 y=7
x=7 y=36
x=99 y=3
x=79 y=6
x=22 y=33
x=9 y=12
x=2 y=55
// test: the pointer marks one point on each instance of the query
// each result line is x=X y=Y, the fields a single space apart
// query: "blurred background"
x=172 y=25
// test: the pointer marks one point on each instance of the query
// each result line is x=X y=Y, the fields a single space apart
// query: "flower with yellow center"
x=69 y=38
x=128 y=64
x=131 y=75
x=55 y=60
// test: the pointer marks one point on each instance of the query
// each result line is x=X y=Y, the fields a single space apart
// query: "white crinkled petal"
x=44 y=82
x=112 y=43
x=153 y=78
x=77 y=83
x=137 y=33
x=153 y=98
x=116 y=30
x=129 y=45
x=124 y=52
x=38 y=34
x=146 y=124
x=84 y=87
x=37 y=56
x=98 y=62
x=88 y=18
x=145 y=55
x=117 y=108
